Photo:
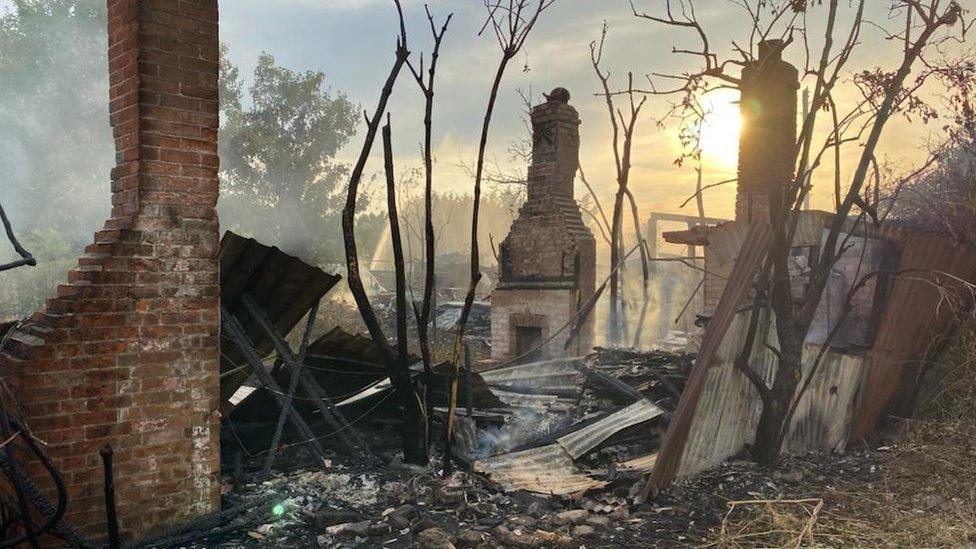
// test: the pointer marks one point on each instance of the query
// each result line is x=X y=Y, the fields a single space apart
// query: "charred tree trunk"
x=414 y=431
x=772 y=427
x=424 y=320
x=399 y=378
x=615 y=234
x=511 y=22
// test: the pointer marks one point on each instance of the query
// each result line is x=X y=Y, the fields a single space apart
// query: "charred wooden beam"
x=289 y=398
x=347 y=435
x=236 y=333
x=610 y=382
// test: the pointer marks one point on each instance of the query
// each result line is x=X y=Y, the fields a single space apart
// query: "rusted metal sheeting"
x=550 y=469
x=751 y=255
x=914 y=317
x=284 y=286
x=729 y=408
x=578 y=443
x=545 y=470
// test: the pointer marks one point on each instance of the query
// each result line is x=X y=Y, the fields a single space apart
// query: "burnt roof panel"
x=284 y=286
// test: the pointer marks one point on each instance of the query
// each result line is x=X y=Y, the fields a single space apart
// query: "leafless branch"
x=427 y=88
x=511 y=22
x=25 y=257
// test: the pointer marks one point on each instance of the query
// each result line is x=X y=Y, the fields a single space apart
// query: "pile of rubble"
x=399 y=506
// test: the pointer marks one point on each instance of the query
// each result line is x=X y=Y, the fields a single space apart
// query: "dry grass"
x=927 y=493
x=769 y=522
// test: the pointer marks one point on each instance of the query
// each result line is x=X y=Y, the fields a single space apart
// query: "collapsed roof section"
x=284 y=287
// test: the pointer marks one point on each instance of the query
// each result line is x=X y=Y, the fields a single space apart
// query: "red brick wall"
x=547 y=262
x=127 y=353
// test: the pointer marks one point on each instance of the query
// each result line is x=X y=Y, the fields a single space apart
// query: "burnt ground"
x=352 y=503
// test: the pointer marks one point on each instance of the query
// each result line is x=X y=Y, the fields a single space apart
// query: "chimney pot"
x=771 y=50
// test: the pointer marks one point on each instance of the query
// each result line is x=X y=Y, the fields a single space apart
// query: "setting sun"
x=720 y=131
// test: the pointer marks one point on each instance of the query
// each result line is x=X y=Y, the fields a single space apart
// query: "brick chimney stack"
x=547 y=263
x=128 y=351
x=766 y=145
x=555 y=150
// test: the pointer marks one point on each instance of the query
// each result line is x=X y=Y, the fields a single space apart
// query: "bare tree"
x=622 y=144
x=414 y=431
x=430 y=238
x=925 y=25
x=511 y=22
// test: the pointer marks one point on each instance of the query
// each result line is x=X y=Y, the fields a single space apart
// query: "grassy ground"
x=924 y=492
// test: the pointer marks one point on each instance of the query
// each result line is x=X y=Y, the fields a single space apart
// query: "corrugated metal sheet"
x=560 y=377
x=728 y=410
x=850 y=394
x=284 y=286
x=824 y=417
x=551 y=374
x=725 y=242
x=642 y=464
x=743 y=273
x=538 y=403
x=912 y=319
x=545 y=470
x=578 y=443
x=550 y=469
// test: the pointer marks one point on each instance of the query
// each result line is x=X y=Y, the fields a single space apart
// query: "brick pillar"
x=547 y=262
x=128 y=351
x=766 y=146
x=555 y=147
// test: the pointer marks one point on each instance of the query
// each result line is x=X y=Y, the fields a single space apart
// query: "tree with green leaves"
x=280 y=181
x=56 y=145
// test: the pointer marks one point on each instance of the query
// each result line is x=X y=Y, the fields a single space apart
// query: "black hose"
x=53 y=514
x=209 y=526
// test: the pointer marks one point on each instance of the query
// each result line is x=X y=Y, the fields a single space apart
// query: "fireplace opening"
x=528 y=342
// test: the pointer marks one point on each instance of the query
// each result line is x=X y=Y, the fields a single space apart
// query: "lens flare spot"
x=720 y=129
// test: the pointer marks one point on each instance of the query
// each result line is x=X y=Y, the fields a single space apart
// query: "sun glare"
x=720 y=131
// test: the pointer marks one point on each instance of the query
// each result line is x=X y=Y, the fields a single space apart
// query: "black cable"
x=21 y=482
x=209 y=526
x=19 y=489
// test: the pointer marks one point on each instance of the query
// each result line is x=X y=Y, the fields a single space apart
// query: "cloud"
x=346 y=5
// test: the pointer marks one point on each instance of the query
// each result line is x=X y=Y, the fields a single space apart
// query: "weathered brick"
x=548 y=259
x=133 y=340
